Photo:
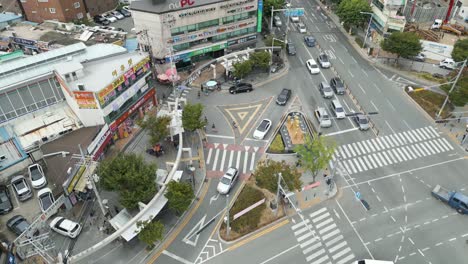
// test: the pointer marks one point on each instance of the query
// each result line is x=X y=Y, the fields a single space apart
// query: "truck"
x=447 y=63
x=451 y=28
x=456 y=200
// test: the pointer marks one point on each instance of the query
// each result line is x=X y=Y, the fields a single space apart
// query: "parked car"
x=283 y=97
x=228 y=180
x=277 y=21
x=301 y=28
x=6 y=205
x=324 y=61
x=310 y=41
x=312 y=66
x=21 y=187
x=18 y=224
x=322 y=117
x=125 y=13
x=65 y=227
x=337 y=84
x=294 y=19
x=325 y=90
x=101 y=20
x=291 y=48
x=117 y=15
x=37 y=177
x=262 y=129
x=126 y=8
x=420 y=57
x=110 y=17
x=337 y=109
x=362 y=121
x=241 y=88
x=46 y=199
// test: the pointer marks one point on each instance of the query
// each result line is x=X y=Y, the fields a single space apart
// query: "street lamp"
x=451 y=89
x=368 y=26
x=271 y=57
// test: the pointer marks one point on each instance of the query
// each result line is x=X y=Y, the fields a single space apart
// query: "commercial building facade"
x=386 y=19
x=190 y=31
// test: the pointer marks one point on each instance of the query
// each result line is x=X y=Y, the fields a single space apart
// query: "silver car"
x=322 y=117
x=277 y=20
x=21 y=187
x=362 y=121
x=325 y=90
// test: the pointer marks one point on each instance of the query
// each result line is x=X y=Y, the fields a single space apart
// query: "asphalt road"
x=393 y=172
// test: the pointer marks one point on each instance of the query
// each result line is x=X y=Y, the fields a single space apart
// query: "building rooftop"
x=7 y=16
x=16 y=72
x=98 y=74
x=166 y=6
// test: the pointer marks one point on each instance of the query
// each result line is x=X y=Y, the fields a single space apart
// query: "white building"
x=385 y=19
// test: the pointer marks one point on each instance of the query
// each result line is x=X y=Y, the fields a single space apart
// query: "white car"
x=37 y=177
x=322 y=117
x=65 y=227
x=324 y=61
x=118 y=15
x=21 y=187
x=312 y=66
x=262 y=129
x=302 y=28
x=228 y=180
x=109 y=17
x=46 y=199
x=294 y=19
x=277 y=21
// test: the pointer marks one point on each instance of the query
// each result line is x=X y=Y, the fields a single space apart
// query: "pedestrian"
x=213 y=126
x=201 y=88
x=206 y=120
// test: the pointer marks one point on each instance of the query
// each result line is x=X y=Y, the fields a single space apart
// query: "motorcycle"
x=157 y=150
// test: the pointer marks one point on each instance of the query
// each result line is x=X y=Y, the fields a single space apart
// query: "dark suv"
x=101 y=20
x=241 y=88
x=337 y=84
x=291 y=49
x=5 y=201
x=283 y=97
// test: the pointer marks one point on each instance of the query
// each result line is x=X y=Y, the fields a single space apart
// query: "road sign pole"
x=278 y=194
x=451 y=89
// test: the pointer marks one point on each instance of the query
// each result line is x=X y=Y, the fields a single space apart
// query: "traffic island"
x=430 y=101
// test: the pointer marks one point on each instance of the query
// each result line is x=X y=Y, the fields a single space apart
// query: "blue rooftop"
x=5 y=17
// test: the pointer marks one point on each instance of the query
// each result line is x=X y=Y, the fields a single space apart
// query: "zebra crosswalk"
x=220 y=157
x=321 y=240
x=391 y=149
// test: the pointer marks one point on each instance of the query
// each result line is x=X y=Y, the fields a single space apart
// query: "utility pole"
x=451 y=89
x=278 y=194
x=368 y=27
x=227 y=216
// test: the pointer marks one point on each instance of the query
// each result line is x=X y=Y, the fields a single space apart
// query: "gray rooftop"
x=18 y=71
x=166 y=6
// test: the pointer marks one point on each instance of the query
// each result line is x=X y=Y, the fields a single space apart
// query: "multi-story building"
x=96 y=7
x=386 y=18
x=13 y=6
x=191 y=30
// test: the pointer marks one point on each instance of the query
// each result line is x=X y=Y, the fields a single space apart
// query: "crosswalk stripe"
x=342 y=153
x=376 y=145
x=387 y=144
x=363 y=151
x=427 y=136
x=364 y=167
x=391 y=141
x=354 y=146
x=416 y=135
x=401 y=154
x=420 y=151
x=320 y=260
x=393 y=138
x=426 y=151
x=369 y=165
x=352 y=166
x=300 y=231
x=238 y=159
x=316 y=254
x=408 y=149
x=447 y=143
x=308 y=242
x=406 y=153
x=301 y=223
x=347 y=152
x=397 y=155
x=246 y=160
x=400 y=139
x=231 y=156
x=215 y=162
x=321 y=210
x=442 y=149
x=410 y=134
x=390 y=154
x=331 y=234
x=368 y=142
x=436 y=149
x=384 y=153
x=252 y=161
x=430 y=132
x=345 y=260
x=358 y=167
x=382 y=159
x=439 y=140
x=374 y=165
x=346 y=166
x=335 y=248
x=429 y=147
x=334 y=156
x=320 y=217
x=333 y=241
x=365 y=146
x=380 y=143
x=408 y=139
x=326 y=229
x=308 y=234
x=377 y=159
x=309 y=249
x=418 y=131
x=223 y=159
x=341 y=253
x=415 y=151
x=433 y=131
x=209 y=156
x=329 y=220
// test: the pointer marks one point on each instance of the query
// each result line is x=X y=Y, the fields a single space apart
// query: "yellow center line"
x=264 y=232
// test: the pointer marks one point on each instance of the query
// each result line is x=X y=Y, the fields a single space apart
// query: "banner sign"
x=259 y=16
x=85 y=100
x=246 y=210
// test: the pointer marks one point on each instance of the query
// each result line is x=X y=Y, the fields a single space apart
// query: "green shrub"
x=277 y=146
x=249 y=221
x=359 y=41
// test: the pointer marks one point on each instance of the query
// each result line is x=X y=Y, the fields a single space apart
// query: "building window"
x=76 y=4
x=79 y=15
x=52 y=10
x=75 y=77
x=67 y=77
x=378 y=4
x=81 y=87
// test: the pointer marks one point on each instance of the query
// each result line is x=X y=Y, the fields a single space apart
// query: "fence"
x=423 y=14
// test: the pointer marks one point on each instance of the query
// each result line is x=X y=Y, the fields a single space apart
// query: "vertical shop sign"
x=259 y=16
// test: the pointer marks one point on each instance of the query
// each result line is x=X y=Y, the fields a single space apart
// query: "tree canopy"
x=459 y=95
x=130 y=176
x=261 y=59
x=267 y=4
x=150 y=232
x=179 y=195
x=315 y=154
x=192 y=117
x=460 y=50
x=241 y=69
x=158 y=127
x=349 y=12
x=404 y=44
x=266 y=175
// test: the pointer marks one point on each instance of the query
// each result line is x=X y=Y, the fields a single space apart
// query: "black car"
x=337 y=84
x=101 y=20
x=283 y=97
x=291 y=48
x=310 y=41
x=241 y=88
x=125 y=12
x=5 y=201
x=17 y=224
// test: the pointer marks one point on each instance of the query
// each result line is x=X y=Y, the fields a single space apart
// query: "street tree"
x=130 y=176
x=403 y=44
x=266 y=175
x=179 y=195
x=459 y=95
x=276 y=4
x=150 y=232
x=460 y=50
x=315 y=154
x=158 y=127
x=192 y=117
x=242 y=69
x=349 y=12
x=261 y=59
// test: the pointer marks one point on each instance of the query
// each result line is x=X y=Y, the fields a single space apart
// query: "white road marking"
x=223 y=159
x=215 y=162
x=246 y=160
x=341 y=60
x=376 y=109
x=360 y=86
x=238 y=159
x=391 y=105
x=350 y=73
x=174 y=256
x=279 y=254
x=252 y=162
x=219 y=136
x=341 y=132
x=393 y=131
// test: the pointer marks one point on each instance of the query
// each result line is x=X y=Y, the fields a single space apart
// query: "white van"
x=449 y=64
x=373 y=261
